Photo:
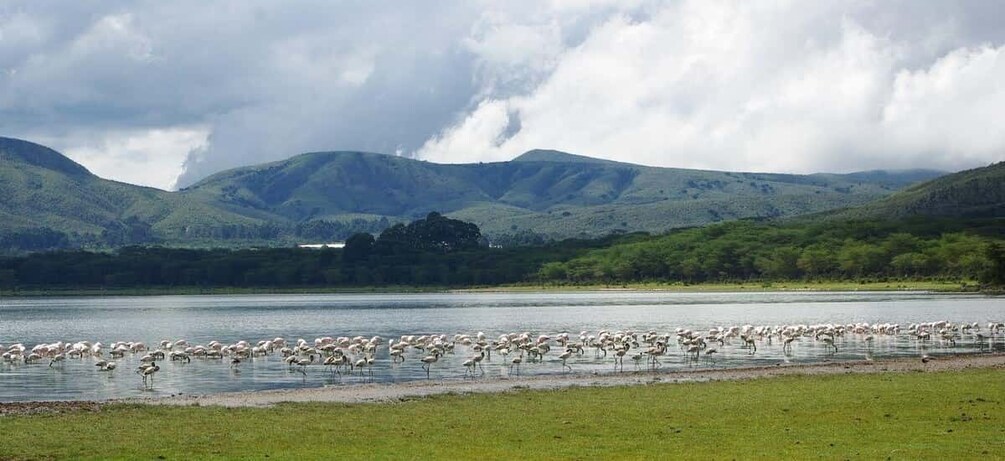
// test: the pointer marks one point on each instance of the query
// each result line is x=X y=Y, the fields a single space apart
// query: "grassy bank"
x=935 y=286
x=958 y=415
x=173 y=291
x=798 y=285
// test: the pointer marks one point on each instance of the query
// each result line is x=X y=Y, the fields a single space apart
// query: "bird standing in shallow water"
x=147 y=371
x=429 y=360
x=516 y=363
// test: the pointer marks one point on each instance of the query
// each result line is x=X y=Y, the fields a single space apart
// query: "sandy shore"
x=377 y=393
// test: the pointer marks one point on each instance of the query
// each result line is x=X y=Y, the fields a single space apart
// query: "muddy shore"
x=384 y=392
x=397 y=392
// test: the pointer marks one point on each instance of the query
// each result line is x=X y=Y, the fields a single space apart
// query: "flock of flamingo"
x=647 y=350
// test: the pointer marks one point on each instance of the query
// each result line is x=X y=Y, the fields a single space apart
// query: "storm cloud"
x=166 y=93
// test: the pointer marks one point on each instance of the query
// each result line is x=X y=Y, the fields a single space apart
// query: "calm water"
x=200 y=319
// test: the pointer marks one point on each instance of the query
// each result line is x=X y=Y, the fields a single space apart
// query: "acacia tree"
x=434 y=233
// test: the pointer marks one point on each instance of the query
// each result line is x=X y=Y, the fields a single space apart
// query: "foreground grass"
x=903 y=416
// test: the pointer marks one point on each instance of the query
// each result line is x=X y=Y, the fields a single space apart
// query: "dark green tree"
x=994 y=274
x=358 y=247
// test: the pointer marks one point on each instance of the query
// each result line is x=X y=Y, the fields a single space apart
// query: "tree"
x=782 y=264
x=817 y=261
x=994 y=274
x=357 y=247
x=860 y=259
x=553 y=271
x=910 y=263
x=434 y=233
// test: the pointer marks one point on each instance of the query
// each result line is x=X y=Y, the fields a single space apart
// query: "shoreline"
x=390 y=393
x=778 y=287
x=396 y=392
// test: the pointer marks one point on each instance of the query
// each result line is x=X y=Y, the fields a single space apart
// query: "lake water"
x=200 y=319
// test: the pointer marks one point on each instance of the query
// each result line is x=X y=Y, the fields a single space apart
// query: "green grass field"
x=959 y=415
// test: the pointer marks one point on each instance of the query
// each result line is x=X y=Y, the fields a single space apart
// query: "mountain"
x=50 y=201
x=547 y=192
x=42 y=188
x=976 y=193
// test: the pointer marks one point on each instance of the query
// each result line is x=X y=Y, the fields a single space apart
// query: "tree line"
x=832 y=250
x=437 y=251
x=132 y=231
x=434 y=251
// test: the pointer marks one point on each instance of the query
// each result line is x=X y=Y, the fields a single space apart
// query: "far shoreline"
x=934 y=287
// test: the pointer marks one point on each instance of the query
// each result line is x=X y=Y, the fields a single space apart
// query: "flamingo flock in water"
x=647 y=350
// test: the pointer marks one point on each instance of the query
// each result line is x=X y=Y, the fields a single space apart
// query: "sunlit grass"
x=949 y=415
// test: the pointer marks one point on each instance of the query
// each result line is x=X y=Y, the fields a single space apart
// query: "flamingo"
x=428 y=360
x=565 y=356
x=147 y=371
x=516 y=363
x=619 y=357
x=469 y=366
x=478 y=361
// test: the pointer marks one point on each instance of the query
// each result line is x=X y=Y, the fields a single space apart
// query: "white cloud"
x=151 y=158
x=829 y=85
x=748 y=86
x=952 y=110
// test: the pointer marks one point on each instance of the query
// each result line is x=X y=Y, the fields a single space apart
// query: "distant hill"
x=547 y=192
x=43 y=189
x=976 y=193
x=50 y=201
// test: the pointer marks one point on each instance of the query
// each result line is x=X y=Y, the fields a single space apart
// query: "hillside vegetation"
x=51 y=202
x=545 y=192
x=976 y=193
x=850 y=250
x=438 y=252
x=952 y=226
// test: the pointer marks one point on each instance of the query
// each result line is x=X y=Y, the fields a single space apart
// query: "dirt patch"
x=362 y=393
x=34 y=408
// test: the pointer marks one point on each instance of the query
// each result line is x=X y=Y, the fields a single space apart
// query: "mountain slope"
x=42 y=188
x=50 y=201
x=547 y=192
x=976 y=193
x=46 y=193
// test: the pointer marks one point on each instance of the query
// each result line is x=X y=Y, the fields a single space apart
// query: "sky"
x=166 y=93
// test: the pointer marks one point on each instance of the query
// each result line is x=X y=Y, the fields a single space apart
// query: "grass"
x=958 y=415
x=164 y=291
x=937 y=286
x=798 y=285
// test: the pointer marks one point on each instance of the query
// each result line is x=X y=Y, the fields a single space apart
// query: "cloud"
x=951 y=110
x=152 y=158
x=735 y=85
x=751 y=86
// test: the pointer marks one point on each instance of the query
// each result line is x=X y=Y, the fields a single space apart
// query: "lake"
x=200 y=319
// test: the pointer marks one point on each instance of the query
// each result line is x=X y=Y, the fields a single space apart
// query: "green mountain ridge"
x=975 y=193
x=325 y=196
x=548 y=192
